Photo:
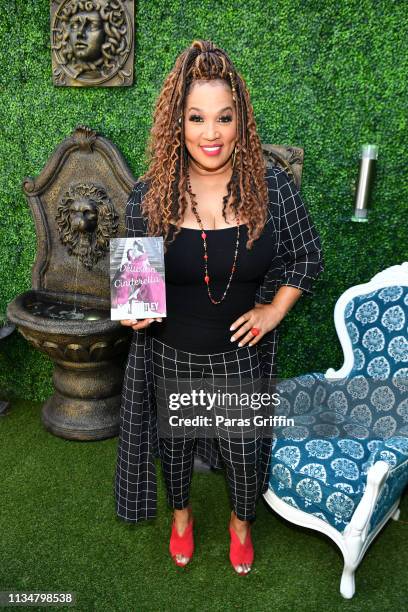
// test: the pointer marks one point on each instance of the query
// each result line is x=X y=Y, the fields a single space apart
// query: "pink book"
x=137 y=279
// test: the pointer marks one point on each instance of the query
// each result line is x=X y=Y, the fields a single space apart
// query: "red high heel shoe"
x=182 y=545
x=241 y=553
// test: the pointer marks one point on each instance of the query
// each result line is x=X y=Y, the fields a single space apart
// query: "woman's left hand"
x=264 y=317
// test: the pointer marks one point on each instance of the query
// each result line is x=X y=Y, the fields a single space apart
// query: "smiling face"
x=86 y=34
x=210 y=125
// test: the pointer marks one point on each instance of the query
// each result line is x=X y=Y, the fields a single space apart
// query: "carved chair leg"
x=347 y=583
x=395 y=516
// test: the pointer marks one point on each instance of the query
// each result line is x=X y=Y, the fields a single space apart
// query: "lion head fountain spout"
x=86 y=219
x=78 y=203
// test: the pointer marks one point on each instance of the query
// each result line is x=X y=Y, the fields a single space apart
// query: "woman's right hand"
x=139 y=324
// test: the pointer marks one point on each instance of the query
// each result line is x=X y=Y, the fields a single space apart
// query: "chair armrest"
x=360 y=521
x=393 y=450
x=305 y=394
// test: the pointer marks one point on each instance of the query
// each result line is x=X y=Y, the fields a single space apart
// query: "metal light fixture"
x=369 y=155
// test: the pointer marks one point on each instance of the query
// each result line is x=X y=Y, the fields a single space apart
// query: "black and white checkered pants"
x=239 y=371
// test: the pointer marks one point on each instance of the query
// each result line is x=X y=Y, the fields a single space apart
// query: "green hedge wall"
x=325 y=75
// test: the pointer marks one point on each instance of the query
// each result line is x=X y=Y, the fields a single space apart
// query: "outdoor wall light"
x=369 y=155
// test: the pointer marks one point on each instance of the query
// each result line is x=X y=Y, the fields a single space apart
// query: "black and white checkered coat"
x=296 y=260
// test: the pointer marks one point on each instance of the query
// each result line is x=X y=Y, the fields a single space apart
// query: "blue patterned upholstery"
x=342 y=427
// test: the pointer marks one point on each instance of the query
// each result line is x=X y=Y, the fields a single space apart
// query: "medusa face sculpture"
x=86 y=35
x=91 y=40
x=86 y=220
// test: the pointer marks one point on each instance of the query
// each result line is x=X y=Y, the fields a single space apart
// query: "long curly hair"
x=167 y=156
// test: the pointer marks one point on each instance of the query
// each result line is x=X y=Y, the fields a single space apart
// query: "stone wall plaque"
x=92 y=42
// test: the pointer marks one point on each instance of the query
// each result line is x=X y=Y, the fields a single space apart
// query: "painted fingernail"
x=232 y=328
x=239 y=343
x=232 y=339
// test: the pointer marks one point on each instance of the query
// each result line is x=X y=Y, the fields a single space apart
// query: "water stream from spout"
x=76 y=273
x=73 y=314
x=60 y=309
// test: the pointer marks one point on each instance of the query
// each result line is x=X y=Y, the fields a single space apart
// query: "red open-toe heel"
x=182 y=545
x=241 y=553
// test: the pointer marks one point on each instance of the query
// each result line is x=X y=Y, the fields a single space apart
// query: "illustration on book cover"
x=137 y=278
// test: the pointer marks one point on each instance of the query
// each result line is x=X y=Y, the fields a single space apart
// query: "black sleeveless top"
x=193 y=322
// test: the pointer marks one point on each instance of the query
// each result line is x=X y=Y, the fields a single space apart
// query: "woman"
x=240 y=249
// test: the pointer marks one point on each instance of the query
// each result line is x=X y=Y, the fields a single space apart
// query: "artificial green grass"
x=59 y=532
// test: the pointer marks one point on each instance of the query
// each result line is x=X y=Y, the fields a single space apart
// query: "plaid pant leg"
x=177 y=460
x=238 y=371
x=174 y=370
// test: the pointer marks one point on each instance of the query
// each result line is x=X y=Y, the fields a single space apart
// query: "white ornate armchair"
x=341 y=465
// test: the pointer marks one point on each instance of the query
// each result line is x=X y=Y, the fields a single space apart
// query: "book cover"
x=137 y=278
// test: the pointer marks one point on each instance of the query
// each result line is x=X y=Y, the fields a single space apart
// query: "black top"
x=193 y=322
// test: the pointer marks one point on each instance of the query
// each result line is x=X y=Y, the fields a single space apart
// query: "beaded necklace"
x=204 y=236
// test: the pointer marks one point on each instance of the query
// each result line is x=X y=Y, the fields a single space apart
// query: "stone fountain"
x=78 y=204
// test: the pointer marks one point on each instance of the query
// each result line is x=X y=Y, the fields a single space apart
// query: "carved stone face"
x=86 y=220
x=84 y=215
x=86 y=34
